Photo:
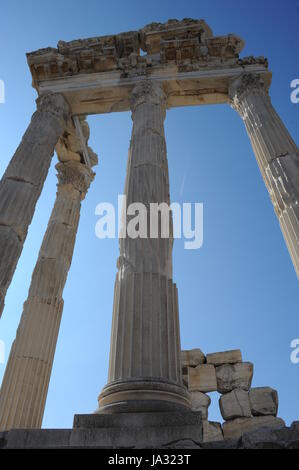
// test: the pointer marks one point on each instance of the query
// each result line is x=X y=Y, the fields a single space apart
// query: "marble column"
x=144 y=369
x=25 y=384
x=23 y=180
x=276 y=153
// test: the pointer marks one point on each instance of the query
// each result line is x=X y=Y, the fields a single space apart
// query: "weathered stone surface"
x=226 y=357
x=10 y=251
x=37 y=439
x=200 y=402
x=235 y=405
x=16 y=205
x=263 y=401
x=228 y=444
x=183 y=444
x=263 y=439
x=232 y=376
x=202 y=379
x=192 y=358
x=282 y=438
x=212 y=432
x=237 y=427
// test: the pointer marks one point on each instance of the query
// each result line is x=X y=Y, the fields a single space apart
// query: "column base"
x=144 y=395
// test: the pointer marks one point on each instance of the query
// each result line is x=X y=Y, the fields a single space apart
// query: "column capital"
x=75 y=174
x=54 y=104
x=247 y=83
x=147 y=91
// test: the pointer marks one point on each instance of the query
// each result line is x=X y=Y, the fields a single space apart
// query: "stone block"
x=124 y=430
x=226 y=357
x=38 y=439
x=202 y=379
x=212 y=432
x=264 y=401
x=295 y=427
x=184 y=444
x=136 y=430
x=200 y=402
x=232 y=376
x=235 y=404
x=137 y=420
x=265 y=438
x=237 y=427
x=229 y=444
x=192 y=358
x=153 y=437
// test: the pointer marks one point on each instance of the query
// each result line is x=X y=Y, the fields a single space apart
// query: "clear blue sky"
x=240 y=290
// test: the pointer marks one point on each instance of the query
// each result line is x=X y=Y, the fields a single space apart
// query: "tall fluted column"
x=276 y=153
x=25 y=384
x=23 y=180
x=144 y=370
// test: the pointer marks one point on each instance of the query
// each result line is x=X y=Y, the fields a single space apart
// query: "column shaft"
x=23 y=181
x=25 y=384
x=144 y=369
x=276 y=153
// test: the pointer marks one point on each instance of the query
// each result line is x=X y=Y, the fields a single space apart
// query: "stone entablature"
x=97 y=75
x=180 y=42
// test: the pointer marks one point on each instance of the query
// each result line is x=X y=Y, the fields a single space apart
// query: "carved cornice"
x=75 y=174
x=54 y=104
x=182 y=43
x=154 y=35
x=177 y=25
x=251 y=60
x=147 y=92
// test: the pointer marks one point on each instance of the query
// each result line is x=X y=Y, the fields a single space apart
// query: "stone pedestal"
x=145 y=365
x=25 y=384
x=138 y=430
x=276 y=153
x=120 y=431
x=23 y=181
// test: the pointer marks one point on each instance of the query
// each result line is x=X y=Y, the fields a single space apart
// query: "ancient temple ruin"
x=147 y=72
